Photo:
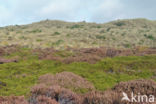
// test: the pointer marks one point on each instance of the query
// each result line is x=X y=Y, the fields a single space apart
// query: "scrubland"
x=56 y=62
x=61 y=35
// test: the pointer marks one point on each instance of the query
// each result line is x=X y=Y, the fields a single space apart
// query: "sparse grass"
x=122 y=31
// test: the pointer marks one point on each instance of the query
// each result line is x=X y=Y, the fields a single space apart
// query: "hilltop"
x=126 y=33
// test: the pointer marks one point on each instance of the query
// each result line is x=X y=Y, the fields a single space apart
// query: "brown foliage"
x=67 y=80
x=92 y=55
x=61 y=95
x=45 y=100
x=3 y=60
x=43 y=94
x=13 y=100
x=144 y=87
x=8 y=49
x=107 y=97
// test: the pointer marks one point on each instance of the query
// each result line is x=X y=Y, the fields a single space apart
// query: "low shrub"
x=100 y=37
x=144 y=87
x=13 y=100
x=107 y=97
x=55 y=93
x=67 y=80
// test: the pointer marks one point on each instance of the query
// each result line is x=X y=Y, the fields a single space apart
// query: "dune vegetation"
x=56 y=62
x=61 y=35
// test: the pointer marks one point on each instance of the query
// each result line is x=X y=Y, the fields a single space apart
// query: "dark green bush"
x=100 y=37
x=56 y=33
x=149 y=37
x=119 y=23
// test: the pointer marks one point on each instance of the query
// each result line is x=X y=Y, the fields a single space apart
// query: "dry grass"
x=61 y=35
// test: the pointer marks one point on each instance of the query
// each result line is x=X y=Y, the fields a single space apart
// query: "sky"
x=27 y=11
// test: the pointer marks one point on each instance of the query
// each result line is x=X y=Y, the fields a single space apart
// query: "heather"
x=17 y=78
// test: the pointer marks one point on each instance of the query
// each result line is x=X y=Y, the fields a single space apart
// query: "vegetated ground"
x=60 y=35
x=89 y=63
x=68 y=77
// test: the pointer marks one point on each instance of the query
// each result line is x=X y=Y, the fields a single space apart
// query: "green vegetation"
x=56 y=33
x=22 y=37
x=100 y=37
x=21 y=76
x=119 y=23
x=149 y=37
x=127 y=45
x=58 y=42
x=36 y=31
x=76 y=26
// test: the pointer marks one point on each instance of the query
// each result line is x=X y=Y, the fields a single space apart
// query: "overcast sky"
x=27 y=11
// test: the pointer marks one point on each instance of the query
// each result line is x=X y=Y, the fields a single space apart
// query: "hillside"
x=60 y=35
x=89 y=64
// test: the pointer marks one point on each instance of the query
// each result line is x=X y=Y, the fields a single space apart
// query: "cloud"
x=108 y=10
x=5 y=16
x=59 y=10
x=68 y=10
x=27 y=11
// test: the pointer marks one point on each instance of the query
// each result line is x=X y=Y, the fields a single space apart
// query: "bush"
x=67 y=80
x=100 y=37
x=53 y=93
x=35 y=31
x=127 y=45
x=149 y=37
x=98 y=26
x=144 y=87
x=59 y=42
x=119 y=23
x=23 y=37
x=76 y=26
x=107 y=97
x=56 y=33
x=108 y=29
x=13 y=100
x=102 y=31
x=45 y=100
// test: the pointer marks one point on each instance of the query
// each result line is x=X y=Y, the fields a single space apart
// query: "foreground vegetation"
x=18 y=78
